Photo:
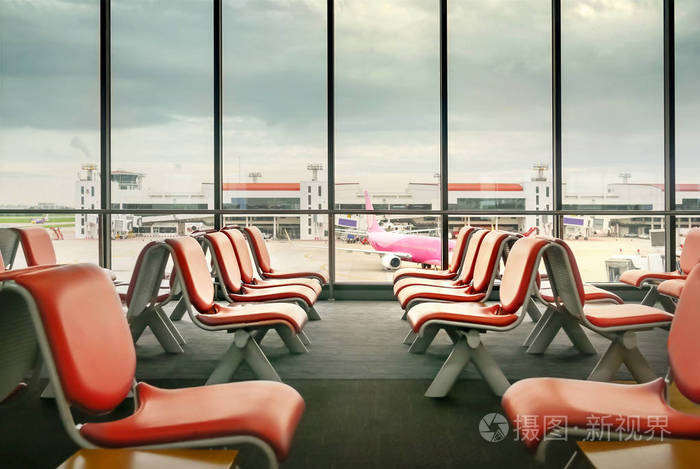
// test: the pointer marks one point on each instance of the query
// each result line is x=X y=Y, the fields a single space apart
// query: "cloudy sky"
x=387 y=91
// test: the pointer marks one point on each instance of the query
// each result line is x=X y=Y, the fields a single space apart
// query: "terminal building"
x=128 y=193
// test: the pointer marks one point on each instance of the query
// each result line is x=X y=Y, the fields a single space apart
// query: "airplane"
x=394 y=247
x=41 y=220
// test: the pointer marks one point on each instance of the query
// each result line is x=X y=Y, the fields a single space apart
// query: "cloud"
x=387 y=90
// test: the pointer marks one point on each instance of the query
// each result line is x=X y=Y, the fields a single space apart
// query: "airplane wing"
x=401 y=255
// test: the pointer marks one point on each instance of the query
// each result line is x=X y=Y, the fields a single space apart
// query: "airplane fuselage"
x=423 y=249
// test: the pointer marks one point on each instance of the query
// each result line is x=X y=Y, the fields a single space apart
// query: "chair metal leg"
x=410 y=337
x=227 y=366
x=291 y=340
x=489 y=369
x=450 y=370
x=259 y=335
x=179 y=310
x=453 y=334
x=166 y=320
x=304 y=338
x=533 y=311
x=424 y=339
x=312 y=314
x=547 y=329
x=609 y=363
x=577 y=335
x=538 y=326
x=258 y=362
x=162 y=332
x=468 y=348
x=651 y=297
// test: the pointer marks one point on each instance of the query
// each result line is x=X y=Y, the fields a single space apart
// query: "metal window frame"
x=669 y=213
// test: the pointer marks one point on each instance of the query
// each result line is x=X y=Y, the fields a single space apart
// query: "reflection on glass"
x=612 y=104
x=606 y=246
x=499 y=105
x=687 y=18
x=49 y=101
x=275 y=105
x=387 y=98
x=162 y=104
x=72 y=236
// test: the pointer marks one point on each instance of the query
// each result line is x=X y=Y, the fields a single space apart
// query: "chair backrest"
x=467 y=272
x=564 y=277
x=240 y=247
x=2 y=263
x=193 y=271
x=683 y=339
x=88 y=336
x=37 y=246
x=257 y=243
x=18 y=346
x=136 y=272
x=460 y=246
x=519 y=272
x=9 y=241
x=225 y=256
x=488 y=259
x=576 y=279
x=690 y=255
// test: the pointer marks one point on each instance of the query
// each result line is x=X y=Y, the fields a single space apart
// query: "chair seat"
x=319 y=275
x=531 y=403
x=247 y=313
x=276 y=293
x=433 y=282
x=638 y=277
x=422 y=273
x=602 y=315
x=592 y=294
x=672 y=288
x=267 y=410
x=463 y=294
x=311 y=283
x=467 y=313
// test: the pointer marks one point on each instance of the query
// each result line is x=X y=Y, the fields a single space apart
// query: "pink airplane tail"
x=372 y=225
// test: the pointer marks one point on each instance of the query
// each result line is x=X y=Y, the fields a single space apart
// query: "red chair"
x=145 y=299
x=19 y=351
x=36 y=245
x=466 y=272
x=672 y=288
x=642 y=406
x=618 y=322
x=467 y=321
x=485 y=271
x=245 y=320
x=263 y=261
x=245 y=266
x=452 y=272
x=556 y=318
x=91 y=360
x=690 y=257
x=231 y=286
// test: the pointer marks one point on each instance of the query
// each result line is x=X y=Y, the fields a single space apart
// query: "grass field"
x=21 y=220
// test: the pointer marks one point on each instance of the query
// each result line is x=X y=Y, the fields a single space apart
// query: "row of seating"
x=452 y=302
x=73 y=317
x=570 y=304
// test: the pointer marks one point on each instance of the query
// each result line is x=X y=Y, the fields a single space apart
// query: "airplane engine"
x=391 y=262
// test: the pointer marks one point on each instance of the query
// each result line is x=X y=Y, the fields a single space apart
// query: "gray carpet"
x=361 y=340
